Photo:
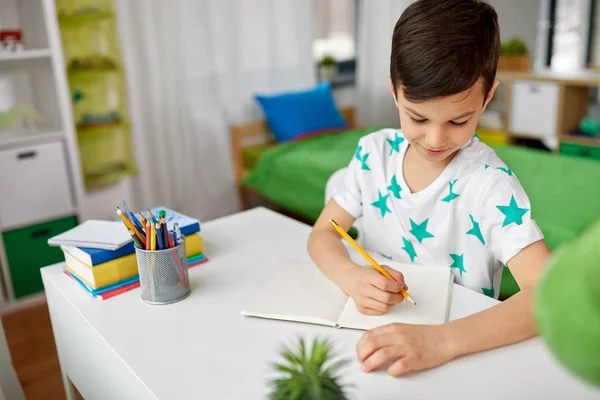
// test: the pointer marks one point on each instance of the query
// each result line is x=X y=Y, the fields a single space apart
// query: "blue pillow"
x=290 y=114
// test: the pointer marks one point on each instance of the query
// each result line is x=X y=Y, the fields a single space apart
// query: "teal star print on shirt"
x=475 y=231
x=395 y=144
x=395 y=188
x=364 y=162
x=381 y=203
x=362 y=158
x=357 y=154
x=506 y=171
x=451 y=196
x=409 y=249
x=512 y=212
x=458 y=263
x=488 y=292
x=419 y=231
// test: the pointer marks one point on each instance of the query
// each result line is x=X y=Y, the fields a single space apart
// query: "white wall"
x=345 y=96
x=518 y=18
x=101 y=204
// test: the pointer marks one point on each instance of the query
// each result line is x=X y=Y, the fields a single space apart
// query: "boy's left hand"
x=407 y=347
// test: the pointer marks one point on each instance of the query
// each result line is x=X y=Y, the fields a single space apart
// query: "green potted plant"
x=308 y=374
x=328 y=67
x=514 y=55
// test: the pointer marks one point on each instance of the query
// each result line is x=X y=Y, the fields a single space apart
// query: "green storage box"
x=580 y=150
x=27 y=251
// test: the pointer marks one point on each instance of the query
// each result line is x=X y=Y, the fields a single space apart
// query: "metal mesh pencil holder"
x=163 y=274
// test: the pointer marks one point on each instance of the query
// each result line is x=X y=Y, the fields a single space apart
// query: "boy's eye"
x=418 y=121
x=459 y=123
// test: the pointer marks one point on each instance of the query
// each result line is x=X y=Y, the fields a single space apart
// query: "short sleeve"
x=505 y=219
x=348 y=192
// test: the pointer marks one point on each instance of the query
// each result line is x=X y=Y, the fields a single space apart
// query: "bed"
x=292 y=176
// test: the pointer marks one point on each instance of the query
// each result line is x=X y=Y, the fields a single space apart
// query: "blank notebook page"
x=430 y=288
x=297 y=291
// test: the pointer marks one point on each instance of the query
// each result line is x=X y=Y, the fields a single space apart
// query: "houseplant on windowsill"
x=308 y=374
x=328 y=68
x=514 y=56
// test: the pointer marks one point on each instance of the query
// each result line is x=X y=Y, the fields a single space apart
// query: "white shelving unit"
x=40 y=173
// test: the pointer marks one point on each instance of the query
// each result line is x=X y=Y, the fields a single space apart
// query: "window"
x=594 y=49
x=335 y=33
x=571 y=41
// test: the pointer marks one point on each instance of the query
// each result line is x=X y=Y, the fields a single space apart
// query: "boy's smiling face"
x=439 y=127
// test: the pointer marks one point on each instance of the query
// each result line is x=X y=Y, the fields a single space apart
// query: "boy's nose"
x=435 y=139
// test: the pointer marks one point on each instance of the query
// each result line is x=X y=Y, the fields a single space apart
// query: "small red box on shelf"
x=11 y=40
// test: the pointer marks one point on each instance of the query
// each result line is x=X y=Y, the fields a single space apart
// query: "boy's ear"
x=394 y=94
x=490 y=94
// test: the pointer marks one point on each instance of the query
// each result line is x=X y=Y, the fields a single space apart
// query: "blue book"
x=187 y=225
x=93 y=257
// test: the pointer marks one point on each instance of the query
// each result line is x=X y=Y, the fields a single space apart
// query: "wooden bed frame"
x=255 y=134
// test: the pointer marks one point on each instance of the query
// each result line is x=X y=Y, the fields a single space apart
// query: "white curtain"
x=375 y=104
x=192 y=69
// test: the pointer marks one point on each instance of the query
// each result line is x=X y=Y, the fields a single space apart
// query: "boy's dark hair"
x=442 y=47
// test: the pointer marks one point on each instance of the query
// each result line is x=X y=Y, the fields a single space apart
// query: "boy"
x=432 y=193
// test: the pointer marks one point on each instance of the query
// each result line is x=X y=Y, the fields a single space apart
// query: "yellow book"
x=194 y=245
x=120 y=268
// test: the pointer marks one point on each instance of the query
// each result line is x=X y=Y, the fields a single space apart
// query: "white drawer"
x=34 y=185
x=534 y=108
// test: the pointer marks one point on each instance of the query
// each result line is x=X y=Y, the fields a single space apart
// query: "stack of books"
x=102 y=260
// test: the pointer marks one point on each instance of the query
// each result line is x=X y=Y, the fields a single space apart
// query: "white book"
x=96 y=234
x=299 y=291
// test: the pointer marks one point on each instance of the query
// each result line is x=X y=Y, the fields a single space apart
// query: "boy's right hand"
x=373 y=293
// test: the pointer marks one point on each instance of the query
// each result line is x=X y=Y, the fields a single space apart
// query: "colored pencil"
x=165 y=232
x=170 y=239
x=143 y=219
x=136 y=241
x=152 y=217
x=132 y=218
x=152 y=237
x=374 y=263
x=159 y=237
x=148 y=233
x=130 y=225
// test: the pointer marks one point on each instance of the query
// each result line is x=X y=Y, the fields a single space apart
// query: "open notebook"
x=300 y=292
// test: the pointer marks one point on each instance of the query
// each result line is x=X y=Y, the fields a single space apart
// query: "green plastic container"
x=27 y=251
x=580 y=150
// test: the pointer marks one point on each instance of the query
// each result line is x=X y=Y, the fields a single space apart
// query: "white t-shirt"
x=473 y=218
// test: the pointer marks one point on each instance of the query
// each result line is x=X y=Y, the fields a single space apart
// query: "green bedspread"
x=564 y=191
x=293 y=175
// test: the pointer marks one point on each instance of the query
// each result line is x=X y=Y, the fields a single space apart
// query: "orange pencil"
x=374 y=263
x=128 y=223
x=143 y=219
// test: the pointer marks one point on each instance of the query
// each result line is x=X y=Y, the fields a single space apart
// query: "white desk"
x=202 y=348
